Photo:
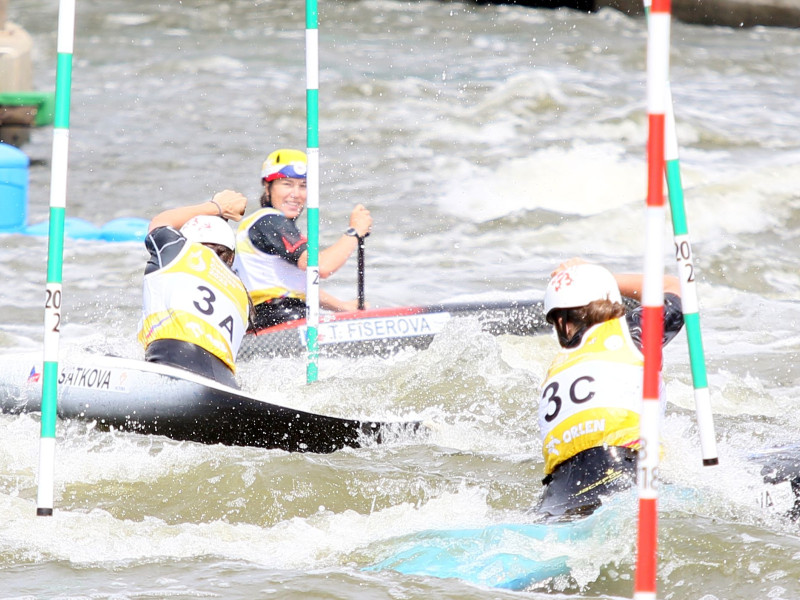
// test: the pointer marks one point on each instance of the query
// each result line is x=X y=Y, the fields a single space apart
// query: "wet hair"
x=225 y=254
x=265 y=199
x=582 y=317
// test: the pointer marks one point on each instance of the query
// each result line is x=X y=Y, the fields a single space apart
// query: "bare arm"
x=231 y=204
x=334 y=257
x=329 y=302
x=630 y=284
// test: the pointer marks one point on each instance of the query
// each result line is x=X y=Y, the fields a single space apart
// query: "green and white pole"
x=52 y=307
x=312 y=181
x=691 y=306
x=687 y=275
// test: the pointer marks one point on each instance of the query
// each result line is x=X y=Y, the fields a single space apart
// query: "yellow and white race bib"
x=196 y=298
x=592 y=395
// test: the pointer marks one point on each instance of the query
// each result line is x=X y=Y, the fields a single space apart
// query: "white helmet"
x=579 y=285
x=209 y=230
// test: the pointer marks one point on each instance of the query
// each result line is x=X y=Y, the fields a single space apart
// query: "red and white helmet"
x=206 y=229
x=579 y=285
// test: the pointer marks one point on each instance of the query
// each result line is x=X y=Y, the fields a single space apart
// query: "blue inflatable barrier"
x=126 y=229
x=14 y=165
x=13 y=189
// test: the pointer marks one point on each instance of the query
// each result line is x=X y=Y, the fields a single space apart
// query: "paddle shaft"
x=361 y=304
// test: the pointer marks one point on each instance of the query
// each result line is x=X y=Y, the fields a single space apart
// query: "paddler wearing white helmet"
x=213 y=232
x=195 y=309
x=578 y=297
x=271 y=252
x=591 y=396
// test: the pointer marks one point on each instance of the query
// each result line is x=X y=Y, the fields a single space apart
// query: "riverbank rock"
x=729 y=13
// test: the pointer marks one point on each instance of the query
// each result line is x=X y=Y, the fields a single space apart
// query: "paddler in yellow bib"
x=272 y=254
x=591 y=397
x=195 y=309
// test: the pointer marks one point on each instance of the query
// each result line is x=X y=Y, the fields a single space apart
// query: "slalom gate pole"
x=687 y=275
x=652 y=302
x=691 y=306
x=312 y=204
x=55 y=255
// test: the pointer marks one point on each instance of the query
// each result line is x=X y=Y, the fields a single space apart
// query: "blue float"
x=125 y=229
x=13 y=189
x=14 y=165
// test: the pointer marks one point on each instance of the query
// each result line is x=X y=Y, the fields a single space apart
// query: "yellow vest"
x=592 y=395
x=195 y=298
x=265 y=276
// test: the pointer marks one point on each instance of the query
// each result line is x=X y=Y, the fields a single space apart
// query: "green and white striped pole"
x=687 y=275
x=691 y=307
x=52 y=307
x=312 y=181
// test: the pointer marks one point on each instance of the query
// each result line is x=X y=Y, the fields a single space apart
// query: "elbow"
x=154 y=224
x=324 y=272
x=672 y=285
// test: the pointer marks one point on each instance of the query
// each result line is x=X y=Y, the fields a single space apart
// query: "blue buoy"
x=13 y=189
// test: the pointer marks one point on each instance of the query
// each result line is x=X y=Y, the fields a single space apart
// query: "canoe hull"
x=385 y=331
x=146 y=398
x=509 y=556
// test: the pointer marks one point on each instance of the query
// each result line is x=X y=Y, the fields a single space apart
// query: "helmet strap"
x=562 y=330
x=574 y=341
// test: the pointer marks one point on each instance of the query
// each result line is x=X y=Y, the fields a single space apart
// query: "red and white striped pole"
x=652 y=300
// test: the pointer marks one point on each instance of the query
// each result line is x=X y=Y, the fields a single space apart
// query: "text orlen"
x=576 y=431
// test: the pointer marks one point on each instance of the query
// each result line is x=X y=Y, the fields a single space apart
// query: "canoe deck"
x=386 y=331
x=152 y=399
